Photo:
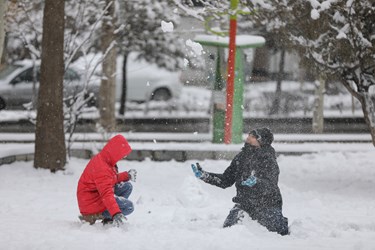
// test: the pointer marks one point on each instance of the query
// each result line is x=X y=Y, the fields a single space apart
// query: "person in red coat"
x=102 y=191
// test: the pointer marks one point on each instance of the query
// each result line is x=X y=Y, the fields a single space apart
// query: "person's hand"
x=119 y=219
x=132 y=175
x=198 y=171
x=251 y=181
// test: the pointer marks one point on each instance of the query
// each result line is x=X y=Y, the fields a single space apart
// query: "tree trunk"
x=124 y=85
x=367 y=104
x=50 y=150
x=108 y=84
x=3 y=9
x=368 y=108
x=318 y=116
x=275 y=108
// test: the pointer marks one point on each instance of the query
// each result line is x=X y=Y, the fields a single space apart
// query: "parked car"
x=19 y=84
x=145 y=82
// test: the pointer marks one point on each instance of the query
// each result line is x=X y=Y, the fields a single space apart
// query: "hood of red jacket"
x=116 y=149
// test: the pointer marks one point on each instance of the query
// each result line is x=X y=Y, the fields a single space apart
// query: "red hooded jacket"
x=95 y=192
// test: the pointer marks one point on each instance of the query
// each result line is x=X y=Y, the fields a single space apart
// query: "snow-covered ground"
x=328 y=198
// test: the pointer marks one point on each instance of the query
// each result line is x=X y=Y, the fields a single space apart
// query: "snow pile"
x=328 y=198
x=196 y=47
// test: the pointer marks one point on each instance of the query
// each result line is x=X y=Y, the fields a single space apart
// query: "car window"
x=71 y=75
x=26 y=76
x=7 y=70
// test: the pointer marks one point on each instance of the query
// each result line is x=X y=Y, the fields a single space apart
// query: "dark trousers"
x=271 y=218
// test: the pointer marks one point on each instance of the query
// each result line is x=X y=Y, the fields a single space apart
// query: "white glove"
x=132 y=175
x=119 y=219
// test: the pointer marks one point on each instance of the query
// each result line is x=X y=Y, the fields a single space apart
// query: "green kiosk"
x=219 y=94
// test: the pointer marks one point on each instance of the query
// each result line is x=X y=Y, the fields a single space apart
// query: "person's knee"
x=284 y=228
x=126 y=206
x=235 y=216
x=130 y=207
x=274 y=221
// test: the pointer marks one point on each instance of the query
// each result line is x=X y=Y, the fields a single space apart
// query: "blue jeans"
x=122 y=193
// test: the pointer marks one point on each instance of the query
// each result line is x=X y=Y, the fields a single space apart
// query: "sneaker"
x=107 y=221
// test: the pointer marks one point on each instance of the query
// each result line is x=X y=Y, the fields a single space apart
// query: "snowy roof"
x=242 y=41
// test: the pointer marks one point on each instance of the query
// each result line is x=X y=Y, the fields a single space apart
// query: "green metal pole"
x=237 y=120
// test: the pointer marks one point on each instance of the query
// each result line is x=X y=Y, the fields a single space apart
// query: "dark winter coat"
x=95 y=191
x=262 y=163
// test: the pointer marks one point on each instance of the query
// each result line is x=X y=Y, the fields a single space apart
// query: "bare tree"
x=275 y=108
x=108 y=84
x=341 y=42
x=3 y=9
x=50 y=150
x=318 y=115
x=337 y=38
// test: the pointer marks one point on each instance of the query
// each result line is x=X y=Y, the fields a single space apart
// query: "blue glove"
x=251 y=181
x=197 y=170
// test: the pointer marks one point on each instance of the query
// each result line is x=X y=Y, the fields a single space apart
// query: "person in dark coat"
x=255 y=173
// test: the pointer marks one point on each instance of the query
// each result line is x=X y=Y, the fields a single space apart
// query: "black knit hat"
x=264 y=135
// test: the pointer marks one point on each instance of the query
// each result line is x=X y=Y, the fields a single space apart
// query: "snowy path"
x=328 y=198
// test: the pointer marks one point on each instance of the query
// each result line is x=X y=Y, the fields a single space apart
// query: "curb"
x=182 y=151
x=153 y=155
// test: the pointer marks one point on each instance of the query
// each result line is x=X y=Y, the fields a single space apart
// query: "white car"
x=19 y=84
x=145 y=82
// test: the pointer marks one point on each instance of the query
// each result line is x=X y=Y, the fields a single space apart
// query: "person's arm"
x=104 y=183
x=269 y=175
x=123 y=176
x=224 y=180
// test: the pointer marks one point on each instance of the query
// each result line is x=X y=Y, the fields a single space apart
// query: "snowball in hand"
x=166 y=26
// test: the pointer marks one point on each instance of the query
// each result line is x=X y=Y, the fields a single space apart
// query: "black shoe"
x=107 y=221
